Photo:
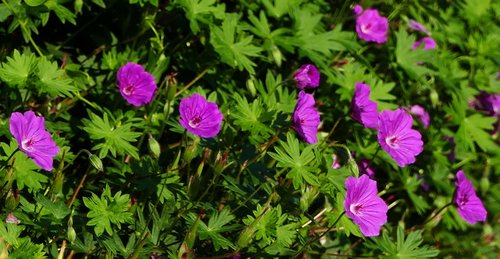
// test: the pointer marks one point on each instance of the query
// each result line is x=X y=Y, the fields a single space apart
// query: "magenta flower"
x=307 y=76
x=200 y=117
x=428 y=42
x=421 y=114
x=397 y=138
x=11 y=219
x=469 y=206
x=357 y=10
x=363 y=205
x=335 y=162
x=365 y=168
x=136 y=85
x=370 y=26
x=32 y=138
x=306 y=118
x=418 y=27
x=363 y=109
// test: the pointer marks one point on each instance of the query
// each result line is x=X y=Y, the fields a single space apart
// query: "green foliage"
x=404 y=247
x=301 y=163
x=201 y=11
x=234 y=48
x=253 y=118
x=107 y=210
x=18 y=68
x=217 y=225
x=116 y=134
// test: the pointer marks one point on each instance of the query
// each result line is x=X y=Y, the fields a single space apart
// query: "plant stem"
x=320 y=236
x=198 y=77
x=7 y=161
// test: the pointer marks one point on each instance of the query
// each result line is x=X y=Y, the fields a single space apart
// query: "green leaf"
x=380 y=93
x=476 y=129
x=409 y=59
x=58 y=209
x=302 y=164
x=34 y=2
x=107 y=210
x=235 y=54
x=253 y=118
x=217 y=224
x=24 y=169
x=116 y=135
x=63 y=13
x=18 y=68
x=201 y=11
x=53 y=80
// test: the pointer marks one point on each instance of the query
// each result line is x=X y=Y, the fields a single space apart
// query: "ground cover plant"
x=250 y=128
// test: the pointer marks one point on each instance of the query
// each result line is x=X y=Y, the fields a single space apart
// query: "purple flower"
x=336 y=162
x=306 y=118
x=397 y=138
x=307 y=76
x=418 y=27
x=357 y=10
x=422 y=114
x=489 y=103
x=136 y=85
x=12 y=219
x=32 y=138
x=200 y=117
x=469 y=206
x=363 y=205
x=370 y=26
x=428 y=42
x=363 y=109
x=365 y=168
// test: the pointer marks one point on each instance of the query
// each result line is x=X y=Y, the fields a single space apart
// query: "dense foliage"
x=135 y=175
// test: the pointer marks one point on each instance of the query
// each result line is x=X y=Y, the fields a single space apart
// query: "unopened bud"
x=434 y=97
x=171 y=86
x=58 y=183
x=11 y=200
x=251 y=86
x=96 y=162
x=352 y=166
x=154 y=146
x=71 y=234
x=277 y=56
x=484 y=183
x=221 y=162
x=246 y=236
x=190 y=151
x=11 y=219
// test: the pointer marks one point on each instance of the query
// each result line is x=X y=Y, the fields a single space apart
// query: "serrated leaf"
x=201 y=11
x=117 y=136
x=217 y=224
x=107 y=210
x=232 y=52
x=410 y=59
x=476 y=129
x=301 y=164
x=58 y=209
x=253 y=118
x=53 y=80
x=63 y=13
x=18 y=68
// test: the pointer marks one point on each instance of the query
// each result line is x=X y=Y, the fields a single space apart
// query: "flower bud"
x=154 y=146
x=251 y=86
x=11 y=200
x=71 y=234
x=221 y=162
x=190 y=151
x=484 y=183
x=171 y=86
x=58 y=183
x=246 y=236
x=434 y=97
x=11 y=219
x=277 y=56
x=96 y=162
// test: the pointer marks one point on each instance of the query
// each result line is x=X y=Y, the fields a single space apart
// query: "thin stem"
x=320 y=236
x=432 y=217
x=198 y=77
x=80 y=185
x=7 y=161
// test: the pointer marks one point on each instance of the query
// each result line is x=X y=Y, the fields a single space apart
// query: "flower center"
x=194 y=122
x=365 y=28
x=392 y=141
x=355 y=208
x=128 y=90
x=27 y=144
x=463 y=200
x=302 y=121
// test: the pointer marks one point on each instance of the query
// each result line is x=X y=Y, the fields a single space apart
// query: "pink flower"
x=370 y=26
x=336 y=162
x=418 y=27
x=364 y=110
x=488 y=102
x=306 y=118
x=136 y=85
x=200 y=117
x=469 y=206
x=363 y=205
x=307 y=76
x=12 y=219
x=365 y=168
x=428 y=42
x=421 y=114
x=357 y=10
x=32 y=138
x=397 y=138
